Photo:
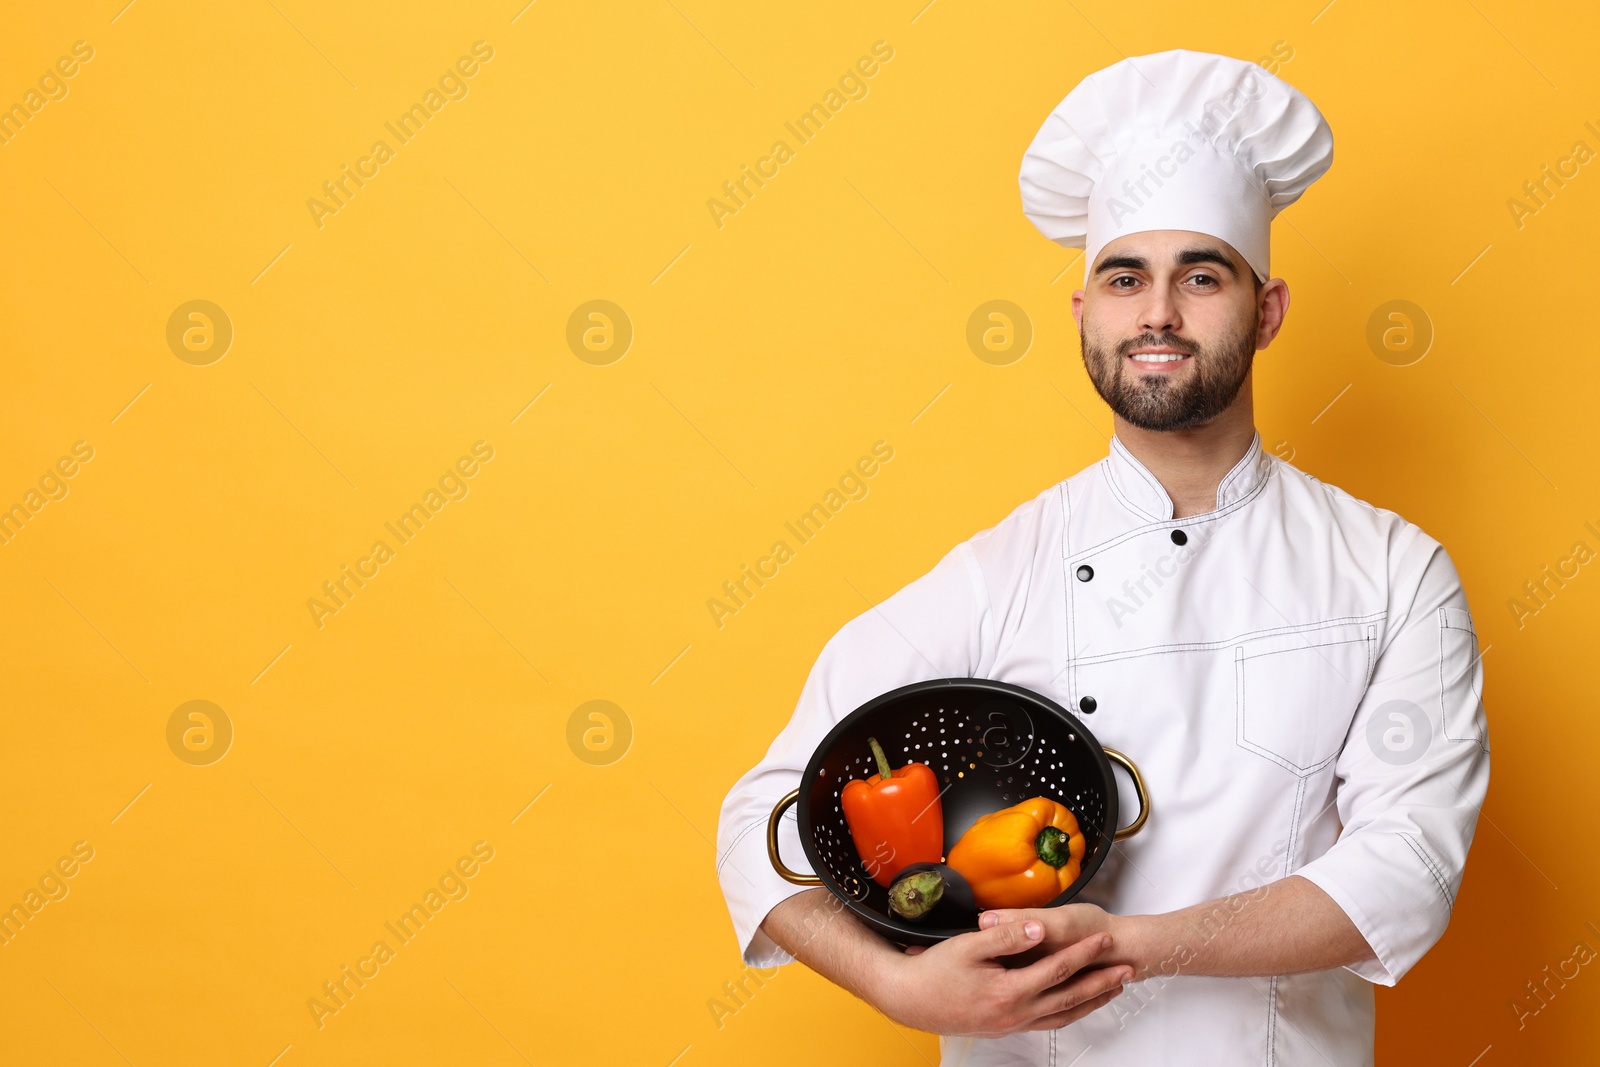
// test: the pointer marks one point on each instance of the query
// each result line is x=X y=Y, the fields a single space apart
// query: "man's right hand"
x=963 y=986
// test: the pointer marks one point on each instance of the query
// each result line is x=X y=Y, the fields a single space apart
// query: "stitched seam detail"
x=1187 y=522
x=1244 y=464
x=1372 y=654
x=1472 y=644
x=1144 y=475
x=1122 y=498
x=1066 y=519
x=1308 y=647
x=1239 y=716
x=1212 y=646
x=1433 y=869
x=1272 y=1021
x=1294 y=828
x=1140 y=469
x=742 y=834
x=1366 y=683
x=1069 y=628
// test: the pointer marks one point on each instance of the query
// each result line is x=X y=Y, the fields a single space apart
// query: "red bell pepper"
x=895 y=819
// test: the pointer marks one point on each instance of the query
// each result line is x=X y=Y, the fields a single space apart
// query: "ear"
x=1272 y=305
x=1077 y=307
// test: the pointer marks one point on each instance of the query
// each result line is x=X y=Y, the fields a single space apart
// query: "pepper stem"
x=1053 y=846
x=883 y=761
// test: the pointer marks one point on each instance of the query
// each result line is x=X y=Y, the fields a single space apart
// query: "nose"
x=1160 y=312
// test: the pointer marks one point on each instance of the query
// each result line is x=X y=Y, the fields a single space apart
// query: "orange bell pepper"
x=895 y=819
x=1023 y=856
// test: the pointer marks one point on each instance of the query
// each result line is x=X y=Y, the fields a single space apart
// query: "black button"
x=1085 y=572
x=1086 y=704
x=1179 y=537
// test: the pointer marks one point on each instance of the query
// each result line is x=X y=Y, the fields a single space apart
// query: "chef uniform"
x=1295 y=672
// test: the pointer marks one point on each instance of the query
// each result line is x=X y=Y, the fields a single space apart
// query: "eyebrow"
x=1187 y=258
x=1112 y=263
x=1190 y=256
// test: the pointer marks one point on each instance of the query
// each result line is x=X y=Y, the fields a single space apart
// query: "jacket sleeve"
x=1413 y=772
x=935 y=627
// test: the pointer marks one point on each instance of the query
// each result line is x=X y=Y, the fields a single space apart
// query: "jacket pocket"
x=1297 y=692
x=1460 y=695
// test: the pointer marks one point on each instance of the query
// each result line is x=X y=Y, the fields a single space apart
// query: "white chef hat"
x=1174 y=141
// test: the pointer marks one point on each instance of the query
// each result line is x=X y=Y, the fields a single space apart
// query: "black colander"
x=991 y=745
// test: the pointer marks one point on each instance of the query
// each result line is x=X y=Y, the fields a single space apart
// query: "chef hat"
x=1174 y=141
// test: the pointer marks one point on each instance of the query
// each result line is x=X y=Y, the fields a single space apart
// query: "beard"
x=1168 y=401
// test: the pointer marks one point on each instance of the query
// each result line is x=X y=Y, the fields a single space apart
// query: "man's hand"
x=1284 y=927
x=1063 y=926
x=963 y=986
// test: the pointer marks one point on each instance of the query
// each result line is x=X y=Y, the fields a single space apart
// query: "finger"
x=1087 y=987
x=1067 y=1018
x=1006 y=915
x=916 y=950
x=1061 y=965
x=1002 y=940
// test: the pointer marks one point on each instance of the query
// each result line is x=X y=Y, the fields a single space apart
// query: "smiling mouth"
x=1158 y=357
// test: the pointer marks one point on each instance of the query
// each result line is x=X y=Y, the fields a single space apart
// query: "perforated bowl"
x=991 y=745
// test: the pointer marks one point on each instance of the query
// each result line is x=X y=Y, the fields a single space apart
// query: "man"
x=1295 y=671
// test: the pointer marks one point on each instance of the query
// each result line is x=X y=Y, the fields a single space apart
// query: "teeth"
x=1159 y=357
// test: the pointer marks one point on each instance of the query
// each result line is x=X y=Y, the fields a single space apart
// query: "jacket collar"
x=1140 y=490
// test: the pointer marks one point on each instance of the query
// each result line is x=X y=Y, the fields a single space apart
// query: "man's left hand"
x=1067 y=925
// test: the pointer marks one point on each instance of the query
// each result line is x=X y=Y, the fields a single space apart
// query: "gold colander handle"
x=1138 y=787
x=772 y=844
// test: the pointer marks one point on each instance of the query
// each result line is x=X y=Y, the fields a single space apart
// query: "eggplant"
x=933 y=893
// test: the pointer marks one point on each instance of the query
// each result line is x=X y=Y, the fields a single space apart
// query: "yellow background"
x=431 y=711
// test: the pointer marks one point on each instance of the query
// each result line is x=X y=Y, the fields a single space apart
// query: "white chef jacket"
x=1299 y=682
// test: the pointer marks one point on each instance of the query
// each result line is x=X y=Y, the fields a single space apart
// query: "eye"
x=1116 y=283
x=1203 y=281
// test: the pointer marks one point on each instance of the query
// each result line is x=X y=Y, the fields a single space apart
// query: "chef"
x=1294 y=670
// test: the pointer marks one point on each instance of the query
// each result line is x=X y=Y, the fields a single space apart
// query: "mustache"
x=1150 y=340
